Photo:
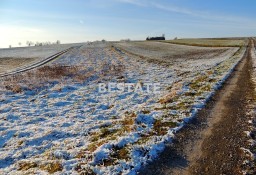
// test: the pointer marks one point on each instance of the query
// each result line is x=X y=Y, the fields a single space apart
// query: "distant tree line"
x=125 y=40
x=30 y=43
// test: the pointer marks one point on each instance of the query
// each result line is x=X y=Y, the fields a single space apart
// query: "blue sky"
x=88 y=20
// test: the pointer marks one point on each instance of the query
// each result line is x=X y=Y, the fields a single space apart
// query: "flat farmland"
x=54 y=119
x=211 y=42
x=11 y=59
x=10 y=63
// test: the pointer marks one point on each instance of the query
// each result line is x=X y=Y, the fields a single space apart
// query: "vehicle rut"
x=211 y=143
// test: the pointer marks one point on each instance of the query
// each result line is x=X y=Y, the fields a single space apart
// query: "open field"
x=222 y=42
x=221 y=138
x=182 y=56
x=54 y=119
x=11 y=59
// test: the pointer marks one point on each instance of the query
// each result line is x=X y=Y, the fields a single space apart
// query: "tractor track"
x=211 y=143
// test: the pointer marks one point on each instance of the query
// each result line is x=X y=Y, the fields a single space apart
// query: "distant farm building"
x=156 y=38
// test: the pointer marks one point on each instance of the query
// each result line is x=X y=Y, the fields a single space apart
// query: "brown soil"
x=211 y=143
x=7 y=64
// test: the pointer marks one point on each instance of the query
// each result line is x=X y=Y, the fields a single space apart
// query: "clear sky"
x=88 y=20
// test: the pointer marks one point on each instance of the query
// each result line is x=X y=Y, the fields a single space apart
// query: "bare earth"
x=211 y=143
x=8 y=64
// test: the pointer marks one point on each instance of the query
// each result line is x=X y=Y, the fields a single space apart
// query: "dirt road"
x=211 y=143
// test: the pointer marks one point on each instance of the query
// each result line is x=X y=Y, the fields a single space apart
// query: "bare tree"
x=10 y=46
x=58 y=42
x=19 y=43
x=126 y=40
x=29 y=43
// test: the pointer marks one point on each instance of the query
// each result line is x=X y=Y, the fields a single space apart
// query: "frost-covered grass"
x=59 y=122
x=250 y=151
x=253 y=54
x=222 y=42
x=34 y=51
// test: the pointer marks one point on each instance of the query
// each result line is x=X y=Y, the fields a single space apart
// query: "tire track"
x=211 y=143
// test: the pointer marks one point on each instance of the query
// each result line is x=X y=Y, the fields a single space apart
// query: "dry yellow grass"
x=39 y=77
x=51 y=167
x=174 y=89
x=24 y=166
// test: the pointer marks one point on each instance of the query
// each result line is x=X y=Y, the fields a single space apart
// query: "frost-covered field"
x=12 y=58
x=36 y=51
x=63 y=124
x=220 y=42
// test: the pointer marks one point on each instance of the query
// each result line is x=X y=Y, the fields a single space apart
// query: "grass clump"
x=158 y=128
x=198 y=83
x=206 y=88
x=191 y=93
x=94 y=145
x=15 y=88
x=84 y=170
x=128 y=122
x=105 y=132
x=82 y=154
x=117 y=154
x=143 y=139
x=51 y=167
x=169 y=98
x=24 y=166
x=122 y=153
x=146 y=111
x=183 y=106
x=161 y=128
